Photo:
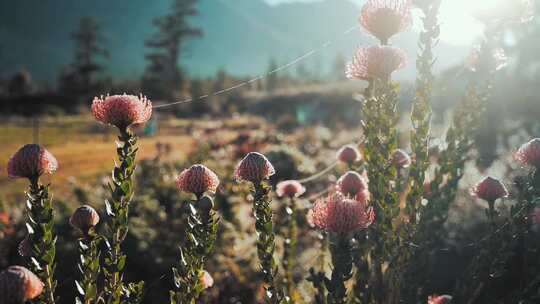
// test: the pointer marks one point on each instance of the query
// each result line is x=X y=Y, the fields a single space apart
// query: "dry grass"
x=83 y=148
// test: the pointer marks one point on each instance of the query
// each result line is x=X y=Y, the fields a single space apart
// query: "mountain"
x=240 y=36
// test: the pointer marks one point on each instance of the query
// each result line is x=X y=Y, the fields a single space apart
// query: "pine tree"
x=163 y=74
x=85 y=65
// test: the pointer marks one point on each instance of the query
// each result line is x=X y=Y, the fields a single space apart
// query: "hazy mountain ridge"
x=239 y=35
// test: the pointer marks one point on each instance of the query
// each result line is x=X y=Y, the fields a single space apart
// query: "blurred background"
x=293 y=103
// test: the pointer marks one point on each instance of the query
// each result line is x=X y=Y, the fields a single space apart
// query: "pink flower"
x=401 y=159
x=84 y=218
x=122 y=111
x=206 y=279
x=349 y=154
x=436 y=299
x=363 y=196
x=375 y=62
x=31 y=161
x=529 y=153
x=340 y=215
x=18 y=285
x=351 y=183
x=254 y=168
x=290 y=188
x=496 y=60
x=385 y=18
x=489 y=189
x=198 y=179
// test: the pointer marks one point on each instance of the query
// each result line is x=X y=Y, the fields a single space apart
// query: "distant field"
x=84 y=148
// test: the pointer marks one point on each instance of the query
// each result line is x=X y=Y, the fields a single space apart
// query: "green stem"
x=289 y=253
x=341 y=251
x=265 y=241
x=42 y=237
x=118 y=210
x=89 y=267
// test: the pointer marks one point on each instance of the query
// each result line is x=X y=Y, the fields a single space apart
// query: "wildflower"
x=384 y=19
x=351 y=183
x=31 y=161
x=529 y=153
x=197 y=179
x=401 y=159
x=18 y=285
x=290 y=188
x=84 y=218
x=349 y=154
x=206 y=279
x=489 y=189
x=436 y=299
x=255 y=167
x=340 y=215
x=375 y=62
x=122 y=111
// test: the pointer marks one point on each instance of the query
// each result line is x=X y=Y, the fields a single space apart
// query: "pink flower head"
x=385 y=18
x=290 y=188
x=489 y=189
x=436 y=299
x=18 y=285
x=351 y=183
x=340 y=215
x=401 y=159
x=84 y=218
x=31 y=161
x=254 y=168
x=363 y=196
x=206 y=279
x=122 y=111
x=349 y=154
x=496 y=60
x=375 y=62
x=529 y=153
x=197 y=179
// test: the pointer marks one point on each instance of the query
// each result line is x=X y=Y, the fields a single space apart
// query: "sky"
x=458 y=26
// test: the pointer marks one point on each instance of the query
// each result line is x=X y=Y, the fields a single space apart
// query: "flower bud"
x=349 y=154
x=290 y=188
x=84 y=218
x=351 y=183
x=198 y=179
x=529 y=153
x=31 y=161
x=489 y=189
x=206 y=279
x=401 y=159
x=436 y=299
x=18 y=285
x=254 y=168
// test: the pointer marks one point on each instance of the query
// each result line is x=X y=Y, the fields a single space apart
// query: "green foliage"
x=201 y=230
x=42 y=238
x=121 y=191
x=265 y=241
